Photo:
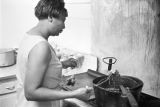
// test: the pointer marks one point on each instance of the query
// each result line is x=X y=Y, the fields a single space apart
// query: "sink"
x=73 y=102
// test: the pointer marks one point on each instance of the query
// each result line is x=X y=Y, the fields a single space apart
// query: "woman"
x=39 y=69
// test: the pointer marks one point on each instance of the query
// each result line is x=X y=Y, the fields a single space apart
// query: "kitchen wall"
x=77 y=35
x=18 y=17
x=129 y=30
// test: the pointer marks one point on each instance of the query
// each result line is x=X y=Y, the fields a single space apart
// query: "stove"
x=145 y=101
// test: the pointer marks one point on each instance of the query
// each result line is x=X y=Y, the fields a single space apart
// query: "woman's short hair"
x=50 y=8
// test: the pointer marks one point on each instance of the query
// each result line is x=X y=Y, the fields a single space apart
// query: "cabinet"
x=8 y=91
x=8 y=100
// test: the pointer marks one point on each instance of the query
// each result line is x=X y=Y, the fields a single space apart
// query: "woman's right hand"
x=83 y=93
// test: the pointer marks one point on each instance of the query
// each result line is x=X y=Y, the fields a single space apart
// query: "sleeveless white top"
x=51 y=78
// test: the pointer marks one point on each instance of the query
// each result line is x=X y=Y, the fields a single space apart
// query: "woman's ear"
x=50 y=19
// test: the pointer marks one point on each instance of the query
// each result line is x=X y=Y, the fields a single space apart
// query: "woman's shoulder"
x=42 y=45
x=42 y=49
x=29 y=42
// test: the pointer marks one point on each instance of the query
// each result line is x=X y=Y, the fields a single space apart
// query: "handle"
x=113 y=61
x=126 y=92
x=131 y=99
x=110 y=65
x=10 y=88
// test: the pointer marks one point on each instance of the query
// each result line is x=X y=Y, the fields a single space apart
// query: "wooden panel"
x=8 y=100
x=7 y=84
x=8 y=91
x=7 y=87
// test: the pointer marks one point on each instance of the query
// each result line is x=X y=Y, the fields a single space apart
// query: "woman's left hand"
x=71 y=62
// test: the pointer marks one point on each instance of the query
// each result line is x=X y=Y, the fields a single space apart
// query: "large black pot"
x=106 y=98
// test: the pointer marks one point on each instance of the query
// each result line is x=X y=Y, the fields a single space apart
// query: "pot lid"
x=4 y=50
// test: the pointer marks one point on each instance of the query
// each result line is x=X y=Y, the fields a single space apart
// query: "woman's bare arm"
x=38 y=62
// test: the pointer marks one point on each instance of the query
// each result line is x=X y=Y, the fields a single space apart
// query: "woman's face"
x=57 y=26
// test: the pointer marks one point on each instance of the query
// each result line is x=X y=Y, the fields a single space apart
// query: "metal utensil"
x=104 y=80
x=110 y=61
